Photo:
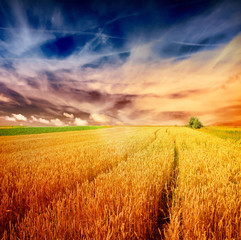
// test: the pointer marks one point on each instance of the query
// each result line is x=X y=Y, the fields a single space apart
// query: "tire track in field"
x=168 y=193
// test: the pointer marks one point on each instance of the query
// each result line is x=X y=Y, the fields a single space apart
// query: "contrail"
x=64 y=32
x=197 y=44
x=121 y=17
x=63 y=60
x=117 y=19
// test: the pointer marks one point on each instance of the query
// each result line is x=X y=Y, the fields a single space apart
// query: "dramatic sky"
x=119 y=62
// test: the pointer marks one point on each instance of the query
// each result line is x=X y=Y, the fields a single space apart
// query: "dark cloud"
x=229 y=112
x=54 y=81
x=215 y=39
x=81 y=92
x=64 y=70
x=12 y=94
x=186 y=93
x=228 y=123
x=137 y=114
x=122 y=103
x=8 y=65
x=174 y=50
x=124 y=56
x=229 y=116
x=103 y=61
x=96 y=95
x=81 y=95
x=77 y=113
x=173 y=115
x=33 y=106
x=32 y=82
x=40 y=108
x=115 y=59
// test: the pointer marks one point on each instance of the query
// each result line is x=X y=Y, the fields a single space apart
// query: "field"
x=224 y=132
x=121 y=183
x=16 y=130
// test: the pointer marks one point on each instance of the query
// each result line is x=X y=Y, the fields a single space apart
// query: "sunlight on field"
x=233 y=133
x=9 y=127
x=120 y=183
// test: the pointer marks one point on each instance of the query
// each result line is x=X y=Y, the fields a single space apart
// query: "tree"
x=194 y=123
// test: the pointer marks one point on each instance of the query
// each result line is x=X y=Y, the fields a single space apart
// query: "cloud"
x=34 y=119
x=68 y=115
x=80 y=122
x=22 y=36
x=4 y=99
x=57 y=122
x=40 y=120
x=100 y=118
x=19 y=117
x=198 y=44
x=11 y=94
x=173 y=115
x=104 y=119
x=229 y=114
x=11 y=119
x=15 y=118
x=187 y=93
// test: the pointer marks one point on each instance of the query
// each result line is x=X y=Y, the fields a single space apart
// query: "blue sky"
x=118 y=62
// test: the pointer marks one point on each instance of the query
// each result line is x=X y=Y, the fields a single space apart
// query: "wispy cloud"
x=198 y=44
x=121 y=16
x=62 y=31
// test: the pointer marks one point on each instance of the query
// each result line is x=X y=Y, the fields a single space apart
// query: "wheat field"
x=120 y=183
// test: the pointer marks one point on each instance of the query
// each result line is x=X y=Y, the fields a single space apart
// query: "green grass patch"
x=37 y=130
x=224 y=132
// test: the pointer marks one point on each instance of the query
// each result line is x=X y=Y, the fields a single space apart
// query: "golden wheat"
x=122 y=204
x=207 y=197
x=35 y=170
x=120 y=183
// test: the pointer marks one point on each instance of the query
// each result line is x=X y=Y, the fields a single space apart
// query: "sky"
x=66 y=62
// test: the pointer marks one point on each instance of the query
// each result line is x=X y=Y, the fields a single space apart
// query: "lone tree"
x=194 y=123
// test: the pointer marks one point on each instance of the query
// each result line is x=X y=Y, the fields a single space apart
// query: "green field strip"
x=37 y=130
